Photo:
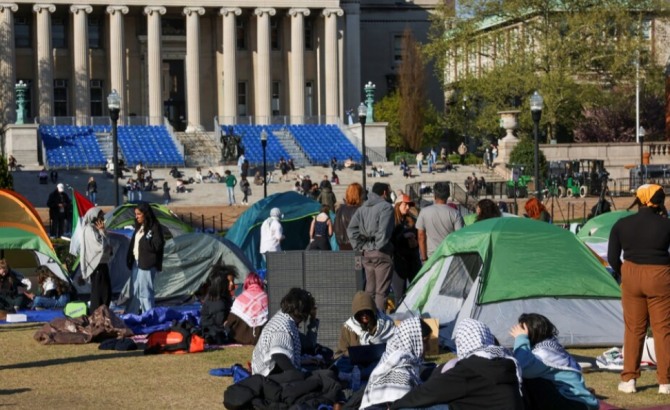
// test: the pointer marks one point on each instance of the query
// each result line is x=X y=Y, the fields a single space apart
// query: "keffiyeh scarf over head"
x=93 y=243
x=398 y=370
x=552 y=354
x=280 y=336
x=475 y=338
x=252 y=306
x=646 y=192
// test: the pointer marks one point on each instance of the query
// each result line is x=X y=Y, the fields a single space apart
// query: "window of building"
x=60 y=98
x=309 y=96
x=241 y=33
x=397 y=49
x=309 y=34
x=23 y=32
x=28 y=97
x=275 y=33
x=95 y=32
x=173 y=26
x=276 y=87
x=59 y=32
x=242 y=98
x=97 y=98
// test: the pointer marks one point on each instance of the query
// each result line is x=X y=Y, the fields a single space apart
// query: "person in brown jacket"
x=366 y=326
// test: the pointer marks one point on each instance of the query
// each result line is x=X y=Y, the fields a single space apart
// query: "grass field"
x=83 y=377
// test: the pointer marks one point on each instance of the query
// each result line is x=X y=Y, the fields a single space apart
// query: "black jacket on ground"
x=151 y=249
x=474 y=383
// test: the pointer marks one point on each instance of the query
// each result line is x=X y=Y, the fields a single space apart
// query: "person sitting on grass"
x=553 y=379
x=13 y=287
x=55 y=291
x=217 y=304
x=249 y=312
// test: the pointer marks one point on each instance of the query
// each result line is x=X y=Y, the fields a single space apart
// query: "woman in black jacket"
x=144 y=258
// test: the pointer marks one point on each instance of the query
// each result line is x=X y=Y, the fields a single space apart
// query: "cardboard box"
x=433 y=348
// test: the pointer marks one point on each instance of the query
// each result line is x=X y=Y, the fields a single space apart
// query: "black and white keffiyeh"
x=280 y=336
x=398 y=370
x=384 y=330
x=475 y=338
x=553 y=354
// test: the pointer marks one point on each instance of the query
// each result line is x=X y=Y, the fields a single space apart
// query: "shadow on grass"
x=26 y=326
x=14 y=391
x=67 y=360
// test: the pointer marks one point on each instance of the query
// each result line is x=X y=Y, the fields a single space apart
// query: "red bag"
x=177 y=340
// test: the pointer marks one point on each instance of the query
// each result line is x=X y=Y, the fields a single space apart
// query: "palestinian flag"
x=80 y=205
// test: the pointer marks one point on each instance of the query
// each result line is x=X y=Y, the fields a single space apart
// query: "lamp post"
x=362 y=115
x=114 y=106
x=465 y=120
x=640 y=133
x=536 y=103
x=264 y=144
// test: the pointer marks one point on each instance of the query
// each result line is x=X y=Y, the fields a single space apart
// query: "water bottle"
x=355 y=378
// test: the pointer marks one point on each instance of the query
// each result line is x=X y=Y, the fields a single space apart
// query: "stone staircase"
x=200 y=148
x=292 y=148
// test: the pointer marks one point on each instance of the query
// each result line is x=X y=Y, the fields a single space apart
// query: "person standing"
x=92 y=190
x=321 y=230
x=353 y=199
x=246 y=189
x=240 y=165
x=406 y=261
x=231 y=182
x=437 y=221
x=419 y=162
x=644 y=238
x=326 y=195
x=144 y=258
x=370 y=231
x=60 y=207
x=462 y=151
x=272 y=233
x=95 y=254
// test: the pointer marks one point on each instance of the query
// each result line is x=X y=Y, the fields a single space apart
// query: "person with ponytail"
x=644 y=239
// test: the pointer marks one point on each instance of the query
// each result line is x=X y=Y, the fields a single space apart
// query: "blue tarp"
x=161 y=318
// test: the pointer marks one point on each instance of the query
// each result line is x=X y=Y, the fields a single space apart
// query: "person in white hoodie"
x=95 y=254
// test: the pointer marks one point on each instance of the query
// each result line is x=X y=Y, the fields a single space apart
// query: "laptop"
x=366 y=355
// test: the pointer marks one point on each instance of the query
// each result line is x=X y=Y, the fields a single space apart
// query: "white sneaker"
x=664 y=389
x=628 y=387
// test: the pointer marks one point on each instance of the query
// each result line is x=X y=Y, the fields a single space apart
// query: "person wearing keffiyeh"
x=249 y=312
x=94 y=255
x=484 y=377
x=553 y=379
x=398 y=370
x=278 y=349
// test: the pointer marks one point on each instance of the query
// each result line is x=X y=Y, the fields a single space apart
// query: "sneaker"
x=664 y=389
x=628 y=387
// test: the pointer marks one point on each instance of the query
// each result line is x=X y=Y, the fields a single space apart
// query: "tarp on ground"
x=496 y=269
x=298 y=211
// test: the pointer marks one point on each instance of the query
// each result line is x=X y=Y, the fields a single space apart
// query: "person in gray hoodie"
x=370 y=231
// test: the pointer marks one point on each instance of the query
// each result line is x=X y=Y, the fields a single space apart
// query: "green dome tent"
x=123 y=216
x=298 y=211
x=596 y=232
x=496 y=269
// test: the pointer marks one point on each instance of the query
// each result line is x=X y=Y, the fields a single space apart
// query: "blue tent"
x=298 y=211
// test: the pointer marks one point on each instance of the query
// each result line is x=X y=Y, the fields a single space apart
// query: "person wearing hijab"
x=95 y=254
x=552 y=378
x=144 y=258
x=644 y=238
x=398 y=370
x=485 y=376
x=249 y=312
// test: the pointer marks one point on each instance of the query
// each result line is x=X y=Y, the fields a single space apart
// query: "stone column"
x=262 y=90
x=297 y=68
x=82 y=95
x=7 y=62
x=352 y=56
x=229 y=64
x=117 y=60
x=154 y=62
x=193 y=67
x=331 y=88
x=45 y=77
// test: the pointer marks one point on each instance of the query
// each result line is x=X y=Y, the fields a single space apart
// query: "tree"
x=523 y=154
x=412 y=89
x=386 y=110
x=572 y=51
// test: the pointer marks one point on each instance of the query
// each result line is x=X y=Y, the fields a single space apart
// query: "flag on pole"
x=80 y=205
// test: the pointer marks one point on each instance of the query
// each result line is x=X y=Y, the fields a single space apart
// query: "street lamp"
x=362 y=115
x=536 y=103
x=641 y=132
x=114 y=106
x=264 y=144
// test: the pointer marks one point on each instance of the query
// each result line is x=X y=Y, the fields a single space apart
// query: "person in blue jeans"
x=55 y=291
x=231 y=182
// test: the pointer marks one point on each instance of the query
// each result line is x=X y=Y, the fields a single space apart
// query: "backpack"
x=180 y=338
x=75 y=309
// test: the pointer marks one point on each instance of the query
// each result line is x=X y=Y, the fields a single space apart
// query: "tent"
x=298 y=211
x=123 y=217
x=471 y=218
x=496 y=269
x=23 y=240
x=596 y=232
x=187 y=260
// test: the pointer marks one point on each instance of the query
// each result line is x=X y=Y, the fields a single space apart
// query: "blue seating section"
x=251 y=139
x=319 y=142
x=70 y=146
x=149 y=144
x=323 y=142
